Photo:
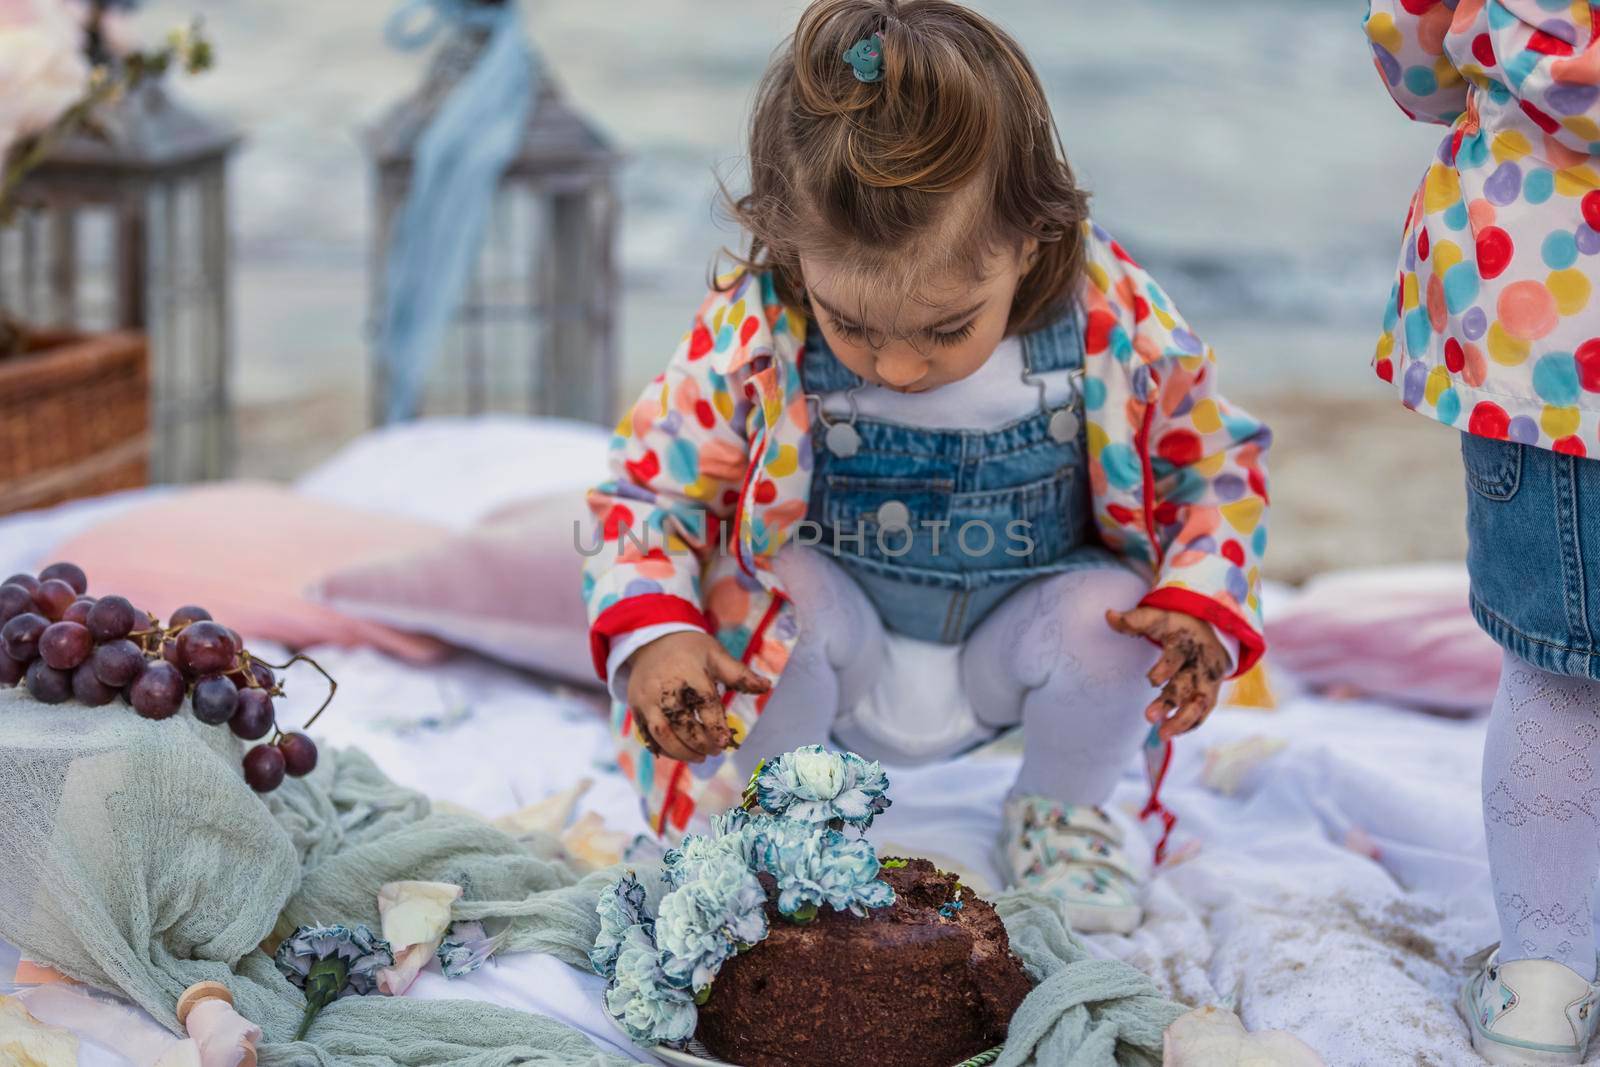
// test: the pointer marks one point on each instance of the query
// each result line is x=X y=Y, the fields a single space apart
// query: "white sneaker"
x=1072 y=852
x=1528 y=1011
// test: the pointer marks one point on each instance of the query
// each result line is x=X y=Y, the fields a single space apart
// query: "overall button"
x=893 y=515
x=842 y=440
x=1064 y=425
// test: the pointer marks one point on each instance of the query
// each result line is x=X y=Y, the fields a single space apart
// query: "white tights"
x=1044 y=659
x=1541 y=811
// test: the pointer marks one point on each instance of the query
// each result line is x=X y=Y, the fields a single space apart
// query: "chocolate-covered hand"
x=1190 y=671
x=673 y=693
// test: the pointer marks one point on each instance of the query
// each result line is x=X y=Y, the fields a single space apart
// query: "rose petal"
x=395 y=980
x=549 y=815
x=414 y=912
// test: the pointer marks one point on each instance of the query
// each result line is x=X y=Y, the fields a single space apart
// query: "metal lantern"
x=128 y=229
x=535 y=328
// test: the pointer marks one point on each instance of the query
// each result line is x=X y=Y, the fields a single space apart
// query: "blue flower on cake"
x=703 y=922
x=620 y=907
x=815 y=865
x=731 y=821
x=683 y=864
x=794 y=847
x=814 y=785
x=648 y=1007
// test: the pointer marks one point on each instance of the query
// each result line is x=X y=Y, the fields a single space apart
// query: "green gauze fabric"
x=1082 y=1012
x=133 y=857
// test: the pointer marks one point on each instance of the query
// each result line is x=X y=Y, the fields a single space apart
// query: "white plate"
x=697 y=1056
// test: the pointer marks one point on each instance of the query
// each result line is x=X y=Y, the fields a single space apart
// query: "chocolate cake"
x=927 y=982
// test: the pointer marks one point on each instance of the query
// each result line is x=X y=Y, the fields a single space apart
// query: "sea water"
x=1244 y=150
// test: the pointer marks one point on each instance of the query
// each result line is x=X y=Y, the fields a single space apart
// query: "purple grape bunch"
x=63 y=644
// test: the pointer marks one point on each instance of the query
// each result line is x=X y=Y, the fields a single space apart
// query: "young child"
x=1492 y=328
x=968 y=464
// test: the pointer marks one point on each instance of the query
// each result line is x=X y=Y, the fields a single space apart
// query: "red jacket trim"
x=634 y=612
x=1141 y=441
x=1171 y=598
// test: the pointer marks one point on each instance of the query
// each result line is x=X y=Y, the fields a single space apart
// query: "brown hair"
x=871 y=171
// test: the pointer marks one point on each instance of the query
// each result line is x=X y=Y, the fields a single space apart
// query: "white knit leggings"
x=1044 y=659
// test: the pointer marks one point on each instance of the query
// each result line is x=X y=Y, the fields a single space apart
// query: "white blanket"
x=1276 y=916
x=1282 y=914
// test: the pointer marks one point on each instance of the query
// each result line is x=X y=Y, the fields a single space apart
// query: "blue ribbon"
x=456 y=172
x=417 y=22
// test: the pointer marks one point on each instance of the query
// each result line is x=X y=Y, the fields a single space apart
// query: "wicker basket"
x=74 y=418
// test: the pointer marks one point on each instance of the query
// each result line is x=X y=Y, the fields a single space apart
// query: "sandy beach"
x=1359 y=481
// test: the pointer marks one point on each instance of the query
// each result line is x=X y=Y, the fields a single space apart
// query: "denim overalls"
x=940 y=526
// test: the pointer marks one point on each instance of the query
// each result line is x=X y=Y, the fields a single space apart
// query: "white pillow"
x=510 y=588
x=457 y=471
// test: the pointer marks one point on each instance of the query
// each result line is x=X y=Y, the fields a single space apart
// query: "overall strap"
x=1056 y=346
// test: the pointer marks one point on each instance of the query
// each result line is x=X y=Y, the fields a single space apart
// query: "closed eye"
x=956 y=336
x=849 y=331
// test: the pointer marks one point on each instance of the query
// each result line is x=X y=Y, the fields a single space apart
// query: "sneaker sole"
x=1498 y=1052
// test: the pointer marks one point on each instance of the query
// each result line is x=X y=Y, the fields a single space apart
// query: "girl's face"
x=921 y=340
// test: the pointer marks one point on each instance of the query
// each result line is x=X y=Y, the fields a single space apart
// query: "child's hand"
x=1190 y=671
x=677 y=707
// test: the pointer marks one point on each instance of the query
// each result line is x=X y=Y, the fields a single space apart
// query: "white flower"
x=729 y=822
x=42 y=67
x=640 y=998
x=818 y=772
x=621 y=907
x=700 y=924
x=813 y=785
x=683 y=864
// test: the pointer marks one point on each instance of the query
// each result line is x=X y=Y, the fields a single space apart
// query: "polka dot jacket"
x=712 y=470
x=1491 y=325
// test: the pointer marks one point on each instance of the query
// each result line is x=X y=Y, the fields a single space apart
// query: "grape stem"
x=333 y=686
x=143 y=636
x=246 y=659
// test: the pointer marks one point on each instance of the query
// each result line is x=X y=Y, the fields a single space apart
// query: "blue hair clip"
x=866 y=58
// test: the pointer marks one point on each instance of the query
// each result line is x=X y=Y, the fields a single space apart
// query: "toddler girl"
x=1492 y=328
x=938 y=460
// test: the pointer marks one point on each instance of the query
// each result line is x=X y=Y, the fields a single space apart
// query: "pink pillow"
x=510 y=588
x=1400 y=634
x=247 y=552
